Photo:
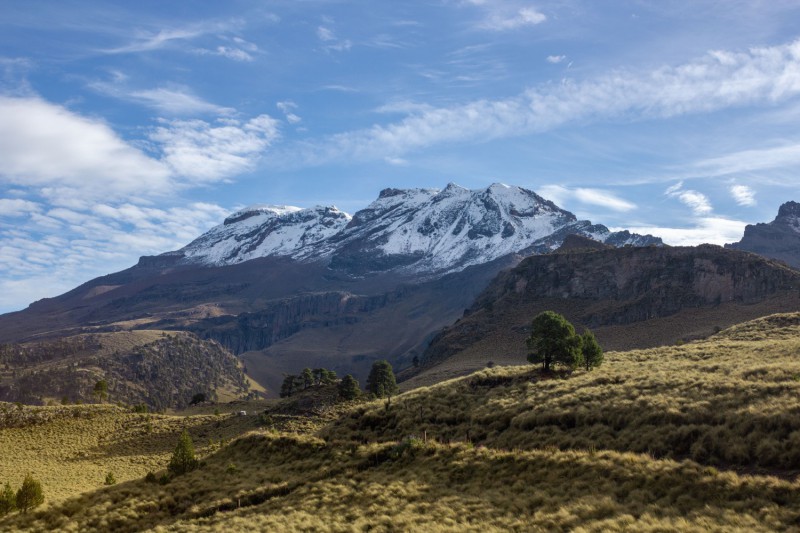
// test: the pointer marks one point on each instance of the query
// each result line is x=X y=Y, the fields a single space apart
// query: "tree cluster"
x=308 y=378
x=28 y=496
x=553 y=341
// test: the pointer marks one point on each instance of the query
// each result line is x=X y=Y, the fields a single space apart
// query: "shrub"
x=198 y=398
x=8 y=500
x=110 y=479
x=30 y=494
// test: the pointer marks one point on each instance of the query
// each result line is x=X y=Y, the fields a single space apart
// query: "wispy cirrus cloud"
x=172 y=99
x=715 y=81
x=329 y=39
x=146 y=41
x=562 y=196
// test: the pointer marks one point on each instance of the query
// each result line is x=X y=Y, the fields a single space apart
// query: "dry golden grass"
x=71 y=449
x=266 y=482
x=732 y=401
x=704 y=436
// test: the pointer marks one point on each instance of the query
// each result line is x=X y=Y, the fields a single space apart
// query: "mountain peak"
x=788 y=212
x=426 y=232
x=255 y=210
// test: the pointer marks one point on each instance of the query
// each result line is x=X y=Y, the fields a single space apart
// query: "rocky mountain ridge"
x=779 y=239
x=630 y=297
x=416 y=231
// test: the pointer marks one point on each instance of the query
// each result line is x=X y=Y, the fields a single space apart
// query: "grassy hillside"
x=698 y=437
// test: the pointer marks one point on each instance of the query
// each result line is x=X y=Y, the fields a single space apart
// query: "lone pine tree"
x=381 y=381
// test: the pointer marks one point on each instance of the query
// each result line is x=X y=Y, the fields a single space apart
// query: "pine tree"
x=288 y=387
x=591 y=350
x=100 y=390
x=553 y=340
x=29 y=494
x=307 y=376
x=381 y=381
x=349 y=388
x=8 y=500
x=183 y=459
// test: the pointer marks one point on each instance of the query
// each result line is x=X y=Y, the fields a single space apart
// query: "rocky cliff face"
x=613 y=287
x=779 y=239
x=282 y=319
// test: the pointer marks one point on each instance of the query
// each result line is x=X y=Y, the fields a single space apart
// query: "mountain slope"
x=286 y=288
x=779 y=239
x=630 y=297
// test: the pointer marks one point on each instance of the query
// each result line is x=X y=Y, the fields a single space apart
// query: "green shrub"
x=30 y=494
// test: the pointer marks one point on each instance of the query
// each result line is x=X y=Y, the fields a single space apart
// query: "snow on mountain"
x=261 y=231
x=422 y=231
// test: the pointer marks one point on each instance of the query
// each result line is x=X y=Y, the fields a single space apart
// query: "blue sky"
x=129 y=128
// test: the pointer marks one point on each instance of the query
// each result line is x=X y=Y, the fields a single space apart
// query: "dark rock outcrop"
x=616 y=287
x=779 y=239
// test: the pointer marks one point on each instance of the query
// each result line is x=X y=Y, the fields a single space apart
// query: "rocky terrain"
x=157 y=369
x=630 y=297
x=779 y=239
x=285 y=288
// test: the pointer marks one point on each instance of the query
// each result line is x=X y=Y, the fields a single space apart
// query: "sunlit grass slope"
x=71 y=449
x=704 y=436
x=731 y=400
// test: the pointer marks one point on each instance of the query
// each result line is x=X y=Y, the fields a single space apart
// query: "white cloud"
x=237 y=54
x=325 y=34
x=16 y=207
x=332 y=42
x=555 y=59
x=711 y=230
x=71 y=160
x=743 y=195
x=603 y=199
x=500 y=17
x=696 y=201
x=787 y=155
x=45 y=145
x=207 y=152
x=170 y=100
x=287 y=107
x=761 y=75
x=176 y=101
x=563 y=196
x=147 y=41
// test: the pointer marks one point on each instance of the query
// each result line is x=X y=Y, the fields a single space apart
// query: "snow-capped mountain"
x=421 y=231
x=266 y=230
